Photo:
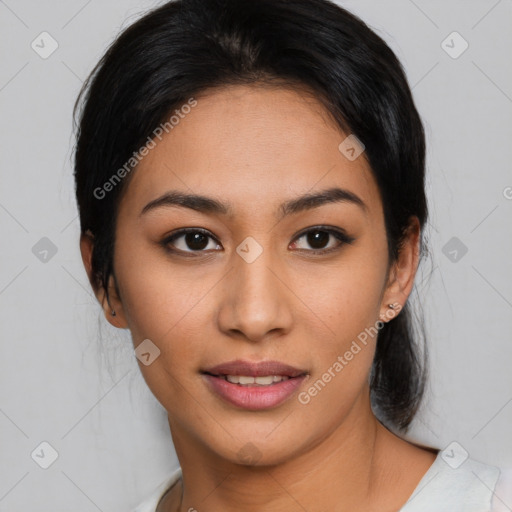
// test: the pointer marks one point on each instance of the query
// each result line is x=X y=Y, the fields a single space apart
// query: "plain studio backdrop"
x=71 y=380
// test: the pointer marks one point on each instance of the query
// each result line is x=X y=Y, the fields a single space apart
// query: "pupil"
x=318 y=239
x=196 y=241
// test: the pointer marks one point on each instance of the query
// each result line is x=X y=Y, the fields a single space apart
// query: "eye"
x=320 y=238
x=189 y=240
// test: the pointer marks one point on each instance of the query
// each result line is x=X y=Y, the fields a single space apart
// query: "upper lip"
x=252 y=369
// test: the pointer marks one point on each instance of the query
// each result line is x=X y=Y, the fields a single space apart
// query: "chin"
x=260 y=452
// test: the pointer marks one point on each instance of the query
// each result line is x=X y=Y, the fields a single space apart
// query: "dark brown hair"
x=186 y=47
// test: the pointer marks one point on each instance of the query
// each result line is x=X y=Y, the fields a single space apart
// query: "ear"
x=401 y=275
x=113 y=302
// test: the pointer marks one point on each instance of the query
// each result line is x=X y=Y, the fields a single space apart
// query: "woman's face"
x=249 y=283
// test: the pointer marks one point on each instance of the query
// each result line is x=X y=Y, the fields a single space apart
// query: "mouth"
x=241 y=368
x=254 y=386
x=247 y=380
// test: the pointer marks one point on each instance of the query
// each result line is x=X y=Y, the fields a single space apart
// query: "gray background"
x=70 y=379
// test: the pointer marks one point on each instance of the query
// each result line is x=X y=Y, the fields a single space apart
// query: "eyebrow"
x=206 y=204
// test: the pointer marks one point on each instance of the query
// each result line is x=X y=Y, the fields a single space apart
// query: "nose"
x=256 y=298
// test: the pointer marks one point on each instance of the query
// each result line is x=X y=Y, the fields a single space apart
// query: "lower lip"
x=254 y=398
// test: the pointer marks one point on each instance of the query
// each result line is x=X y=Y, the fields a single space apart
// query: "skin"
x=256 y=147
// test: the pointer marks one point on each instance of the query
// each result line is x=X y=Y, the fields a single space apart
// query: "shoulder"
x=151 y=501
x=457 y=483
x=502 y=498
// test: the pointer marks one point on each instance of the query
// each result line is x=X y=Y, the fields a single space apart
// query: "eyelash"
x=339 y=234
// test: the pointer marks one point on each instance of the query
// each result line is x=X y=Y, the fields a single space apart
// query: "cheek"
x=166 y=308
x=346 y=298
x=169 y=306
x=157 y=297
x=348 y=304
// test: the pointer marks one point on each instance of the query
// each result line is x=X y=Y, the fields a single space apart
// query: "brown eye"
x=190 y=240
x=318 y=239
x=196 y=241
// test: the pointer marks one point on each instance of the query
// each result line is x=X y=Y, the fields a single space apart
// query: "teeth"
x=259 y=381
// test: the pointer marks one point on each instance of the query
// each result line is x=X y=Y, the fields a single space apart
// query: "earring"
x=392 y=306
x=113 y=313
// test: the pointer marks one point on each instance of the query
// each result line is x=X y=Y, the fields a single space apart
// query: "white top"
x=471 y=487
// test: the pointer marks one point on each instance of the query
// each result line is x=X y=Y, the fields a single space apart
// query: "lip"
x=254 y=397
x=251 y=369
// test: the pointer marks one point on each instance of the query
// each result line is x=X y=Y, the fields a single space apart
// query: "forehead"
x=246 y=144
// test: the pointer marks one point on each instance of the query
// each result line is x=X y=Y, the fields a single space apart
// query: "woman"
x=250 y=181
